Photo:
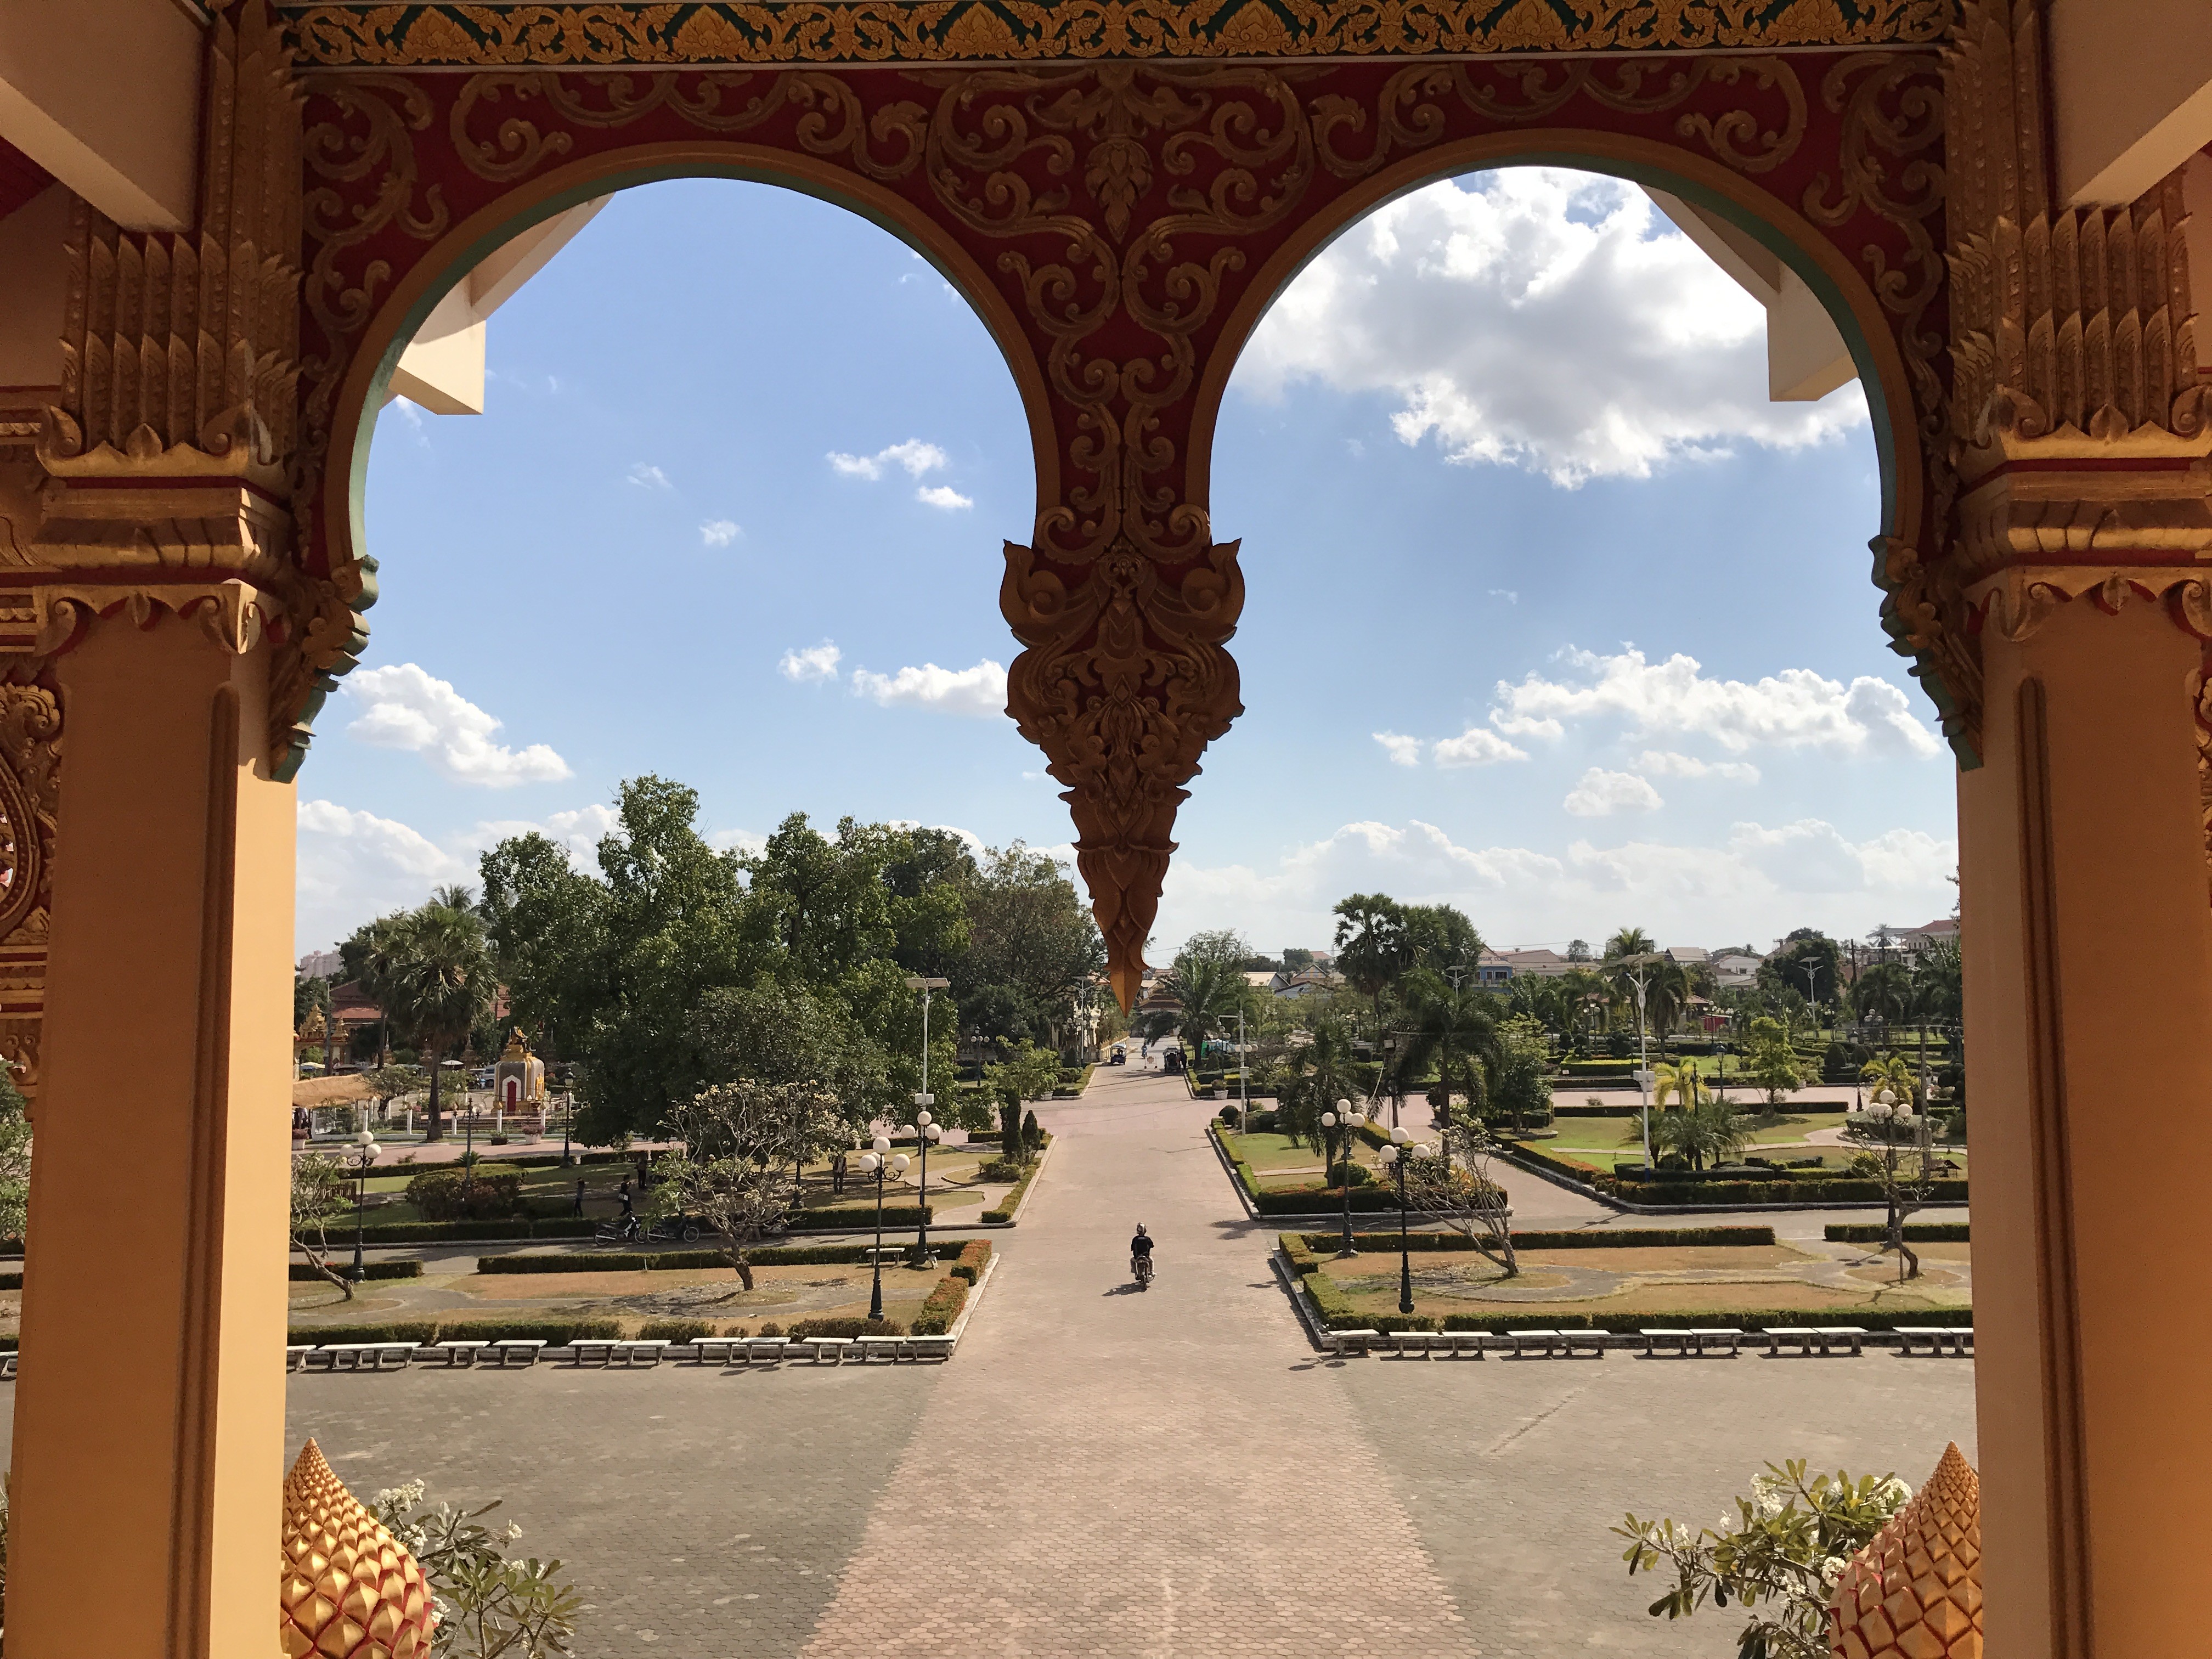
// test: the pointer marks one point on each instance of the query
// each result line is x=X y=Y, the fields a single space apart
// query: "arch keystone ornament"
x=351 y=1590
x=1915 y=1592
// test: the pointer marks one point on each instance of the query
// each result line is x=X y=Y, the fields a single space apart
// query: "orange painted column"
x=150 y=1416
x=2088 y=940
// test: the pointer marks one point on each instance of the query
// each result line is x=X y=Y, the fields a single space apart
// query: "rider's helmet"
x=1141 y=1230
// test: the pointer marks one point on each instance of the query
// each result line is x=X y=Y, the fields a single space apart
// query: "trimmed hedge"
x=1781 y=1186
x=302 y=1274
x=1625 y=1238
x=809 y=1327
x=11 y=1281
x=1001 y=1214
x=555 y=1333
x=975 y=1256
x=676 y=1330
x=942 y=1307
x=1875 y=1232
x=772 y=1255
x=420 y=1332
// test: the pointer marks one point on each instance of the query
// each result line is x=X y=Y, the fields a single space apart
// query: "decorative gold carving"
x=1123 y=685
x=1925 y=616
x=2017 y=603
x=234 y=615
x=349 y=1589
x=372 y=34
x=30 y=798
x=1915 y=1592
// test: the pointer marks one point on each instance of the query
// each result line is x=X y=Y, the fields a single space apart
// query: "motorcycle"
x=1142 y=1267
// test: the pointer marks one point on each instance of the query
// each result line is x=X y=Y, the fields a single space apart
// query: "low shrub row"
x=302 y=1274
x=634 y=1261
x=1623 y=1238
x=675 y=1330
x=975 y=1256
x=1915 y=1232
x=555 y=1333
x=435 y=1232
x=1744 y=1319
x=1777 y=1186
x=1001 y=1214
x=942 y=1307
x=809 y=1327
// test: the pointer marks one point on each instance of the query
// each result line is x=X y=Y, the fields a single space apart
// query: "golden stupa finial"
x=1915 y=1592
x=518 y=1046
x=349 y=1589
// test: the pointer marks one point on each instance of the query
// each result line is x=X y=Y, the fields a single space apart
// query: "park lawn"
x=1661 y=1302
x=1580 y=1134
x=1269 y=1154
x=783 y=1293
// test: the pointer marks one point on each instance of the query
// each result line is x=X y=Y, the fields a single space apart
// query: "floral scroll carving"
x=1119 y=211
x=30 y=796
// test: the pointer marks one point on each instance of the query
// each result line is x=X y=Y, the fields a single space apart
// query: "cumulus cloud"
x=719 y=533
x=649 y=477
x=404 y=707
x=1539 y=318
x=1666 y=763
x=944 y=496
x=1476 y=747
x=1797 y=709
x=355 y=865
x=917 y=458
x=1402 y=750
x=978 y=690
x=815 y=662
x=1757 y=880
x=1600 y=794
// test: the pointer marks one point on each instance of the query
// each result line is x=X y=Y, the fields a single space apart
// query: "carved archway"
x=1121 y=225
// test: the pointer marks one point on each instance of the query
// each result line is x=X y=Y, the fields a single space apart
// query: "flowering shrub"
x=487 y=1605
x=1776 y=1557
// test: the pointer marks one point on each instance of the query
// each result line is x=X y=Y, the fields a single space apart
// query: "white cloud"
x=649 y=477
x=918 y=458
x=1796 y=708
x=1402 y=750
x=354 y=864
x=719 y=533
x=1508 y=594
x=1600 y=794
x=1666 y=763
x=1756 y=883
x=404 y=707
x=942 y=495
x=1539 y=318
x=978 y=690
x=816 y=662
x=1476 y=747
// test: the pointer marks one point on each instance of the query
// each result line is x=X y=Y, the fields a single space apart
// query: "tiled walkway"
x=1107 y=1473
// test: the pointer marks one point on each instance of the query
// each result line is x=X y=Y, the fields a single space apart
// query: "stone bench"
x=1684 y=1342
x=1420 y=1342
x=1594 y=1341
x=1345 y=1341
x=295 y=1355
x=888 y=1346
x=1957 y=1338
x=8 y=1366
x=518 y=1350
x=609 y=1349
x=764 y=1350
x=930 y=1347
x=368 y=1356
x=717 y=1350
x=462 y=1354
x=1522 y=1340
x=831 y=1348
x=1709 y=1337
x=1809 y=1337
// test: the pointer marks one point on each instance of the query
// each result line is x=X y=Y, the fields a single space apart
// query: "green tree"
x=1705 y=1132
x=1455 y=1030
x=1938 y=983
x=775 y=1031
x=1678 y=1082
x=1034 y=950
x=368 y=961
x=15 y=1157
x=1809 y=963
x=1882 y=995
x=1770 y=1060
x=1440 y=937
x=322 y=1191
x=1315 y=1074
x=1522 y=1086
x=1372 y=948
x=442 y=981
x=745 y=1146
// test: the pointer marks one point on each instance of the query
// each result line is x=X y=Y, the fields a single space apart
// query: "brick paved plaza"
x=1102 y=1473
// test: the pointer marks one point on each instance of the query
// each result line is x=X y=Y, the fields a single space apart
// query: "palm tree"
x=1705 y=1132
x=1317 y=1074
x=1883 y=994
x=1680 y=1082
x=371 y=962
x=1453 y=1027
x=1937 y=978
x=1371 y=947
x=441 y=984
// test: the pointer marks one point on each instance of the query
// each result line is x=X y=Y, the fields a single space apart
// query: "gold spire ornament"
x=351 y=1590
x=1915 y=1592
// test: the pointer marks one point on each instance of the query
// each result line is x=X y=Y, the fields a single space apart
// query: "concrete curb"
x=975 y=1298
x=1029 y=1191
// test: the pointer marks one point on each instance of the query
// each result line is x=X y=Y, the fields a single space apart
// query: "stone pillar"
x=2088 y=959
x=147 y=1477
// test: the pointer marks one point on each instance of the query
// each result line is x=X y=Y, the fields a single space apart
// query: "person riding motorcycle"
x=1140 y=1253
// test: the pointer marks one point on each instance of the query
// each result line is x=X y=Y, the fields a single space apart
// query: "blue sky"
x=1550 y=613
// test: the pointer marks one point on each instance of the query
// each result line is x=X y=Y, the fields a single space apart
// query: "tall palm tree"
x=1454 y=1029
x=1937 y=983
x=1316 y=1074
x=441 y=984
x=1372 y=948
x=371 y=962
x=1680 y=1083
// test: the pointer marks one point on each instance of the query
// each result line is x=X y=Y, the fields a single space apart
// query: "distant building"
x=1546 y=964
x=1733 y=970
x=1305 y=982
x=1944 y=930
x=1686 y=955
x=320 y=964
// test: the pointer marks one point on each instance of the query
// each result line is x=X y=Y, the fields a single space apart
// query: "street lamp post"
x=875 y=1162
x=365 y=1142
x=927 y=1133
x=1338 y=1123
x=1394 y=1157
x=1643 y=1072
x=1387 y=1076
x=924 y=1132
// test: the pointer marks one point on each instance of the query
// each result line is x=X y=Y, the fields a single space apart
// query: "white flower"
x=1832 y=1570
x=1894 y=1492
x=514 y=1532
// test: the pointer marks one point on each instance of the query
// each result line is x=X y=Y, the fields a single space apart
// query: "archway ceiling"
x=1121 y=216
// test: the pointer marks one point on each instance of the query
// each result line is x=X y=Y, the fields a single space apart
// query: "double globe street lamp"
x=366 y=1148
x=1395 y=1157
x=875 y=1162
x=927 y=1131
x=1332 y=1123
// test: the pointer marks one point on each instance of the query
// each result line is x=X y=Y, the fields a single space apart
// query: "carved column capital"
x=236 y=616
x=2016 y=603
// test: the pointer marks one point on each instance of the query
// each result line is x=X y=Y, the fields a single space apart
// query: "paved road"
x=1167 y=1475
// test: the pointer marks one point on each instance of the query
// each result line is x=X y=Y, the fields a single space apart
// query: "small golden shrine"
x=1915 y=1592
x=349 y=1589
x=518 y=1078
